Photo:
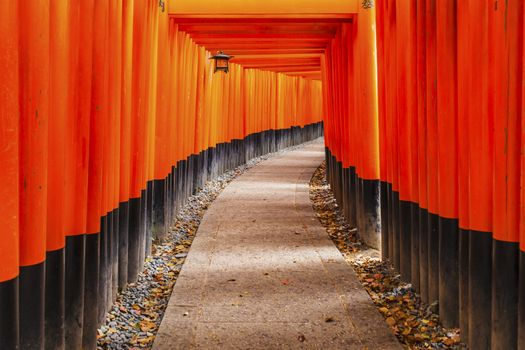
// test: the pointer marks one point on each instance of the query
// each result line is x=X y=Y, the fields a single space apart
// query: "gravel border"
x=134 y=319
x=414 y=323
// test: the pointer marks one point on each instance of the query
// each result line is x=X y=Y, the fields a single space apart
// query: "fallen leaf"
x=147 y=326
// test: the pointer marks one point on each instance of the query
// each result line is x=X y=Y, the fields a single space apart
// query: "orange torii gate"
x=111 y=116
x=451 y=112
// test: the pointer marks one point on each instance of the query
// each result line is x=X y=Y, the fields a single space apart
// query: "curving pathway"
x=263 y=274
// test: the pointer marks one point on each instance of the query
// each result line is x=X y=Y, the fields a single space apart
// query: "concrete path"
x=262 y=272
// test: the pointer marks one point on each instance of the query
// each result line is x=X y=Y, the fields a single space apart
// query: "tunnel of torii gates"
x=111 y=115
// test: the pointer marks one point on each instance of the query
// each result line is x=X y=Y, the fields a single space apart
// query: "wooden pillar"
x=366 y=61
x=9 y=177
x=505 y=86
x=447 y=163
x=34 y=119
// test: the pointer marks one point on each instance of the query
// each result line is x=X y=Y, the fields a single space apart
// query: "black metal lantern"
x=221 y=61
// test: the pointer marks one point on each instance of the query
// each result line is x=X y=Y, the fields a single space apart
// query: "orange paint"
x=480 y=122
x=432 y=140
x=115 y=88
x=126 y=100
x=447 y=124
x=9 y=142
x=407 y=102
x=505 y=85
x=522 y=158
x=58 y=111
x=369 y=130
x=422 y=105
x=162 y=141
x=34 y=117
x=391 y=94
x=463 y=68
x=138 y=111
x=382 y=82
x=97 y=178
x=80 y=72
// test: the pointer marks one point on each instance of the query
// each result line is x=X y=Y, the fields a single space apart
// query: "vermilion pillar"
x=447 y=163
x=58 y=127
x=160 y=185
x=125 y=140
x=505 y=86
x=9 y=176
x=115 y=111
x=368 y=169
x=391 y=129
x=521 y=287
x=96 y=195
x=34 y=118
x=422 y=149
x=432 y=152
x=138 y=137
x=481 y=155
x=406 y=111
x=77 y=165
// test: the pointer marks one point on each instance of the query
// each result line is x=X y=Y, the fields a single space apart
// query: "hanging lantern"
x=221 y=61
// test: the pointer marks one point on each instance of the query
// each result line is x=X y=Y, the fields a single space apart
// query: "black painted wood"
x=55 y=299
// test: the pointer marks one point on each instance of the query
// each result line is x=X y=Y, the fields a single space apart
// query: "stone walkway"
x=263 y=274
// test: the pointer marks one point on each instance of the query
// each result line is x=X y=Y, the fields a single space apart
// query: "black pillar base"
x=114 y=255
x=521 y=302
x=423 y=255
x=384 y=222
x=414 y=245
x=405 y=244
x=143 y=241
x=123 y=245
x=133 y=239
x=74 y=290
x=505 y=264
x=102 y=270
x=149 y=219
x=55 y=299
x=396 y=237
x=463 y=283
x=480 y=290
x=159 y=223
x=352 y=197
x=9 y=320
x=370 y=228
x=32 y=306
x=449 y=272
x=91 y=292
x=433 y=258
